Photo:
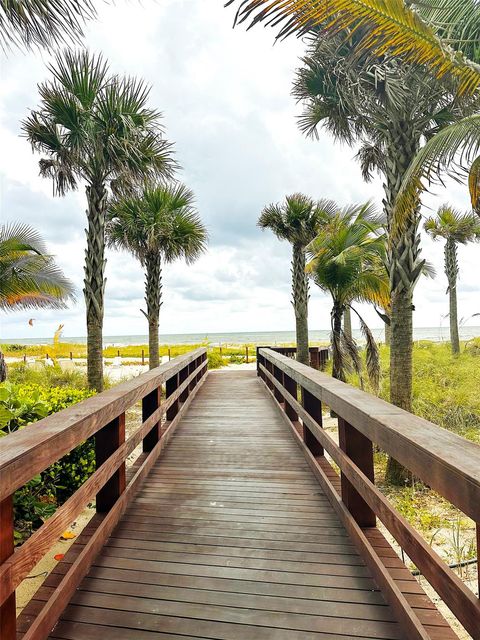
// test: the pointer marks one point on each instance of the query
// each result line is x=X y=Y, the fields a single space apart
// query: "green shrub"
x=236 y=359
x=44 y=376
x=215 y=360
x=37 y=500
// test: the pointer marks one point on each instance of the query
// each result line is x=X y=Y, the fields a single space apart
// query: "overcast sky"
x=225 y=96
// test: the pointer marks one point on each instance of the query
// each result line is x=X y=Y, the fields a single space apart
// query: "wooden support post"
x=143 y=356
x=221 y=352
x=314 y=362
x=246 y=354
x=170 y=387
x=107 y=441
x=360 y=450
x=478 y=561
x=150 y=403
x=8 y=622
x=313 y=407
x=278 y=374
x=269 y=368
x=291 y=387
x=169 y=354
x=183 y=375
x=25 y=359
x=118 y=353
x=71 y=355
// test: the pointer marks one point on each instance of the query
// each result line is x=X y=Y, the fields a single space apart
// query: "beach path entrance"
x=239 y=527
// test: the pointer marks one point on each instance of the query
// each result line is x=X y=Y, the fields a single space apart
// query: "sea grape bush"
x=21 y=405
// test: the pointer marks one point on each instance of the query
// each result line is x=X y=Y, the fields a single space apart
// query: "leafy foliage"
x=29 y=277
x=21 y=405
x=419 y=31
x=30 y=22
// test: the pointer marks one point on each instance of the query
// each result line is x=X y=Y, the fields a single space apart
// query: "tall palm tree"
x=346 y=260
x=33 y=22
x=29 y=277
x=157 y=224
x=456 y=228
x=298 y=220
x=95 y=128
x=441 y=35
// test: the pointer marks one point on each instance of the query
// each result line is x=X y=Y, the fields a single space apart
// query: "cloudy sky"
x=225 y=96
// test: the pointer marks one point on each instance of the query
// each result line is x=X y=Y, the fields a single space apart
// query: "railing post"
x=8 y=614
x=107 y=441
x=171 y=386
x=360 y=451
x=269 y=368
x=313 y=407
x=150 y=403
x=314 y=361
x=290 y=386
x=182 y=376
x=278 y=374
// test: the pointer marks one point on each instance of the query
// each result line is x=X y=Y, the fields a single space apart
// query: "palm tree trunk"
x=404 y=267
x=153 y=295
x=300 y=302
x=347 y=323
x=451 y=269
x=94 y=282
x=337 y=356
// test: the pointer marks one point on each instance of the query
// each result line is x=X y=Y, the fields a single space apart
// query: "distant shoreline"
x=435 y=334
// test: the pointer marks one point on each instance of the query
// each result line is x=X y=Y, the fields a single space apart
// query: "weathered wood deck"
x=232 y=537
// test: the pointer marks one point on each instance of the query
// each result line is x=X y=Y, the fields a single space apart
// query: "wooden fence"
x=443 y=460
x=28 y=452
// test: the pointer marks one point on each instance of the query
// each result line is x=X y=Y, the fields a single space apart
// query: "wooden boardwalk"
x=230 y=537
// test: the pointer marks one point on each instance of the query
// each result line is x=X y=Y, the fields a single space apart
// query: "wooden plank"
x=56 y=604
x=445 y=461
x=461 y=600
x=30 y=450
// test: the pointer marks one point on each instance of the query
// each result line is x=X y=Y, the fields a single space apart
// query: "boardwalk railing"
x=318 y=356
x=444 y=461
x=28 y=452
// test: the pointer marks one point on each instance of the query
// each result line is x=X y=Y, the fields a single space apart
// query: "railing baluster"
x=313 y=407
x=150 y=404
x=360 y=450
x=107 y=441
x=171 y=386
x=278 y=374
x=183 y=375
x=8 y=623
x=291 y=386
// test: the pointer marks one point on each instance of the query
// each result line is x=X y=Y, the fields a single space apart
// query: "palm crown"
x=298 y=220
x=158 y=219
x=453 y=224
x=95 y=126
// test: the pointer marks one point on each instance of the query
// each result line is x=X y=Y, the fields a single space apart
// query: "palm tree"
x=389 y=108
x=441 y=35
x=346 y=260
x=30 y=22
x=29 y=277
x=298 y=220
x=456 y=228
x=158 y=223
x=98 y=129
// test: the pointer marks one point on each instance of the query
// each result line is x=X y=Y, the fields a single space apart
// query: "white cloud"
x=225 y=96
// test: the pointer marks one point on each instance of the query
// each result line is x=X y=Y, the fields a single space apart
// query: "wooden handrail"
x=28 y=452
x=444 y=461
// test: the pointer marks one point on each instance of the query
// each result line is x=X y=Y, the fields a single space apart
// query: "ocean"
x=436 y=334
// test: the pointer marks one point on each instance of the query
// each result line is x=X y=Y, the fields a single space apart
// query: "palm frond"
x=390 y=28
x=372 y=355
x=33 y=22
x=29 y=277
